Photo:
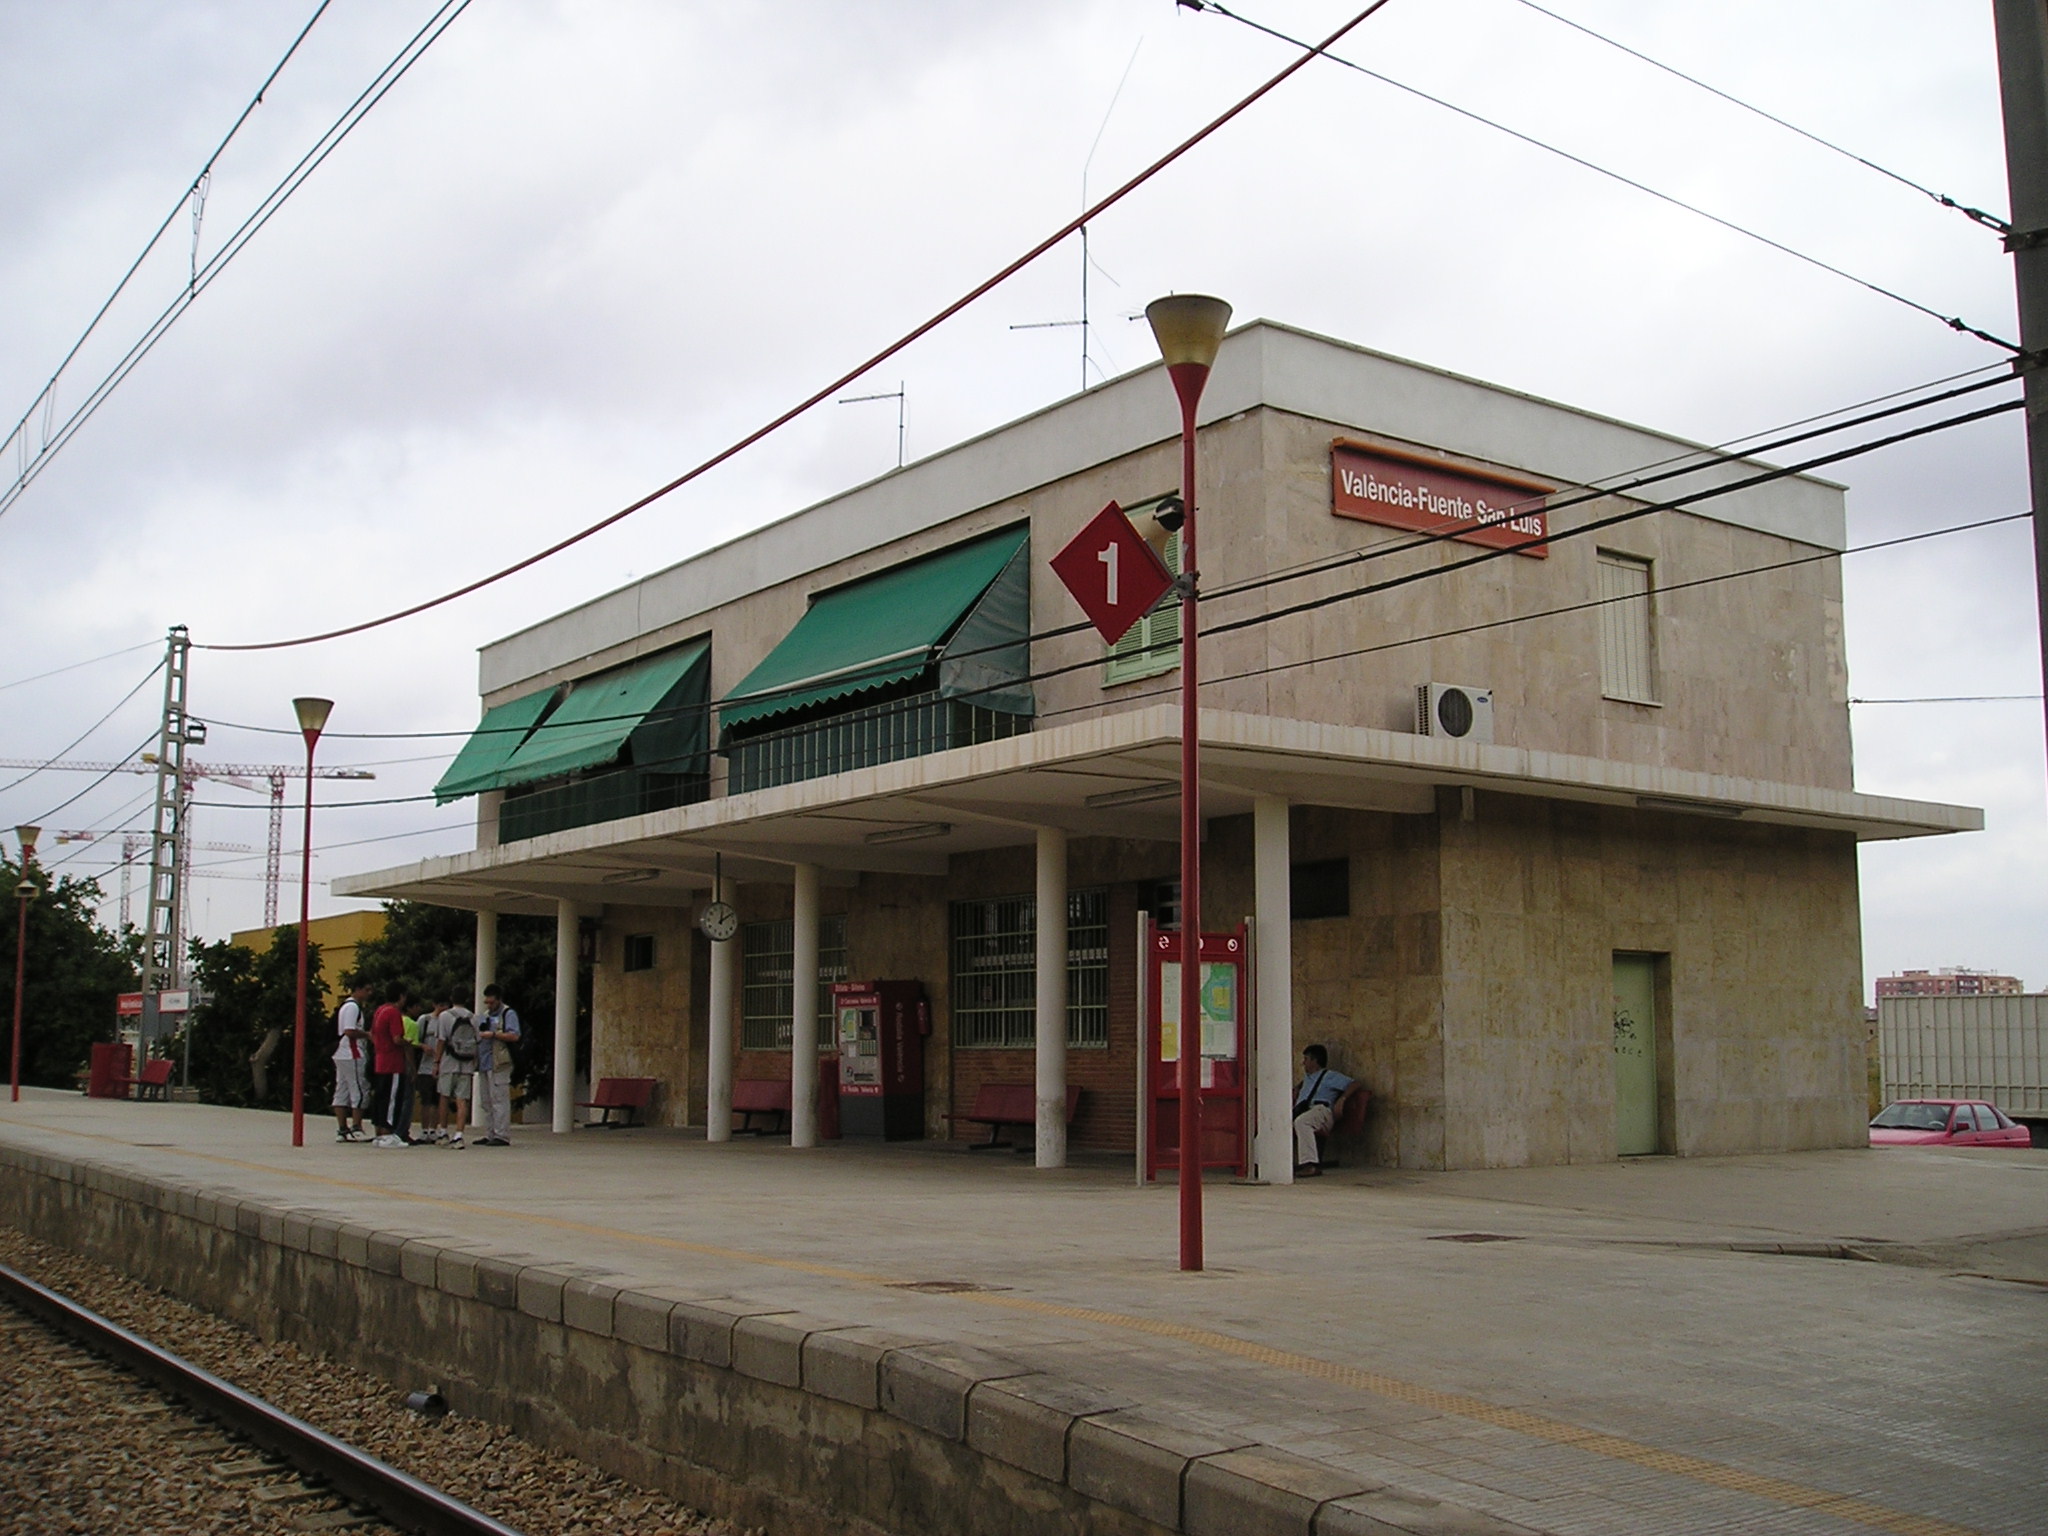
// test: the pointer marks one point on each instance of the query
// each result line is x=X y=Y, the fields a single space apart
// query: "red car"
x=1947 y=1123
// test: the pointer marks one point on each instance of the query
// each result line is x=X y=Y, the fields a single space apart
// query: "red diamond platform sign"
x=1112 y=573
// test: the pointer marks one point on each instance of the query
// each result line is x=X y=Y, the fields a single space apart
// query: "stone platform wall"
x=801 y=1424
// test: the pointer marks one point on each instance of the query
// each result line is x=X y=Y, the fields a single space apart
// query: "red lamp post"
x=312 y=715
x=1189 y=330
x=24 y=893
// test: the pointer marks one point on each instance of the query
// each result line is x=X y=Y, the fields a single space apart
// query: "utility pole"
x=164 y=912
x=2022 y=31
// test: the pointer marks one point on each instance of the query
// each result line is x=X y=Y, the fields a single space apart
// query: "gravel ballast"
x=81 y=1441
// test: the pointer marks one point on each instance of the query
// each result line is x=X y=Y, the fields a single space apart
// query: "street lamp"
x=1189 y=330
x=24 y=893
x=312 y=715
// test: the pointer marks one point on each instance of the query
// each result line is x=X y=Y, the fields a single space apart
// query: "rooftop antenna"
x=900 y=396
x=1086 y=259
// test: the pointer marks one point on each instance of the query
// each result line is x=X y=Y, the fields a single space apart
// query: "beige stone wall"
x=1761 y=1027
x=643 y=1023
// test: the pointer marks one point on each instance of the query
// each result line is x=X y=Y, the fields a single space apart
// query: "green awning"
x=591 y=725
x=886 y=628
x=483 y=757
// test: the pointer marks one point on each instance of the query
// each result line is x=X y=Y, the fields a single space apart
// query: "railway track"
x=300 y=1476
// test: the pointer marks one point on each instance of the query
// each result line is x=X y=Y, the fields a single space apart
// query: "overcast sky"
x=580 y=246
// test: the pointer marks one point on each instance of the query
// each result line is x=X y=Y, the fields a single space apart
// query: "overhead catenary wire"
x=820 y=395
x=1990 y=221
x=1441 y=571
x=1953 y=322
x=1589 y=604
x=73 y=666
x=1398 y=643
x=193 y=192
x=127 y=759
x=64 y=752
x=204 y=274
x=1625 y=482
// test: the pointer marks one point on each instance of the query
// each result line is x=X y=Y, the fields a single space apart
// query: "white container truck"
x=1993 y=1048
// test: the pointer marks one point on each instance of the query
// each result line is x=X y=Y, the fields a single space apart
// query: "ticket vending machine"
x=881 y=1029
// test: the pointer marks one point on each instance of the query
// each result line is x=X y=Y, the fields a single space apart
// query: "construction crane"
x=132 y=844
x=241 y=776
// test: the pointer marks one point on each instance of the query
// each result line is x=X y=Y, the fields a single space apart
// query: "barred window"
x=995 y=971
x=767 y=977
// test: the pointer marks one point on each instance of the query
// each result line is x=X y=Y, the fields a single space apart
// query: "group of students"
x=390 y=1061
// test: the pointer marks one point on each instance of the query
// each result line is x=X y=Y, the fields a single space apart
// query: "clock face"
x=719 y=921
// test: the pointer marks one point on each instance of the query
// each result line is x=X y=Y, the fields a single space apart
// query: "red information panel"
x=1225 y=1142
x=1396 y=491
x=1112 y=573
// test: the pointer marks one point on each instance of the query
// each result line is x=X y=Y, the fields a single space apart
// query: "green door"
x=1635 y=1054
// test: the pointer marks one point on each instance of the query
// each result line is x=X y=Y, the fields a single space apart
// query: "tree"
x=432 y=952
x=75 y=972
x=248 y=998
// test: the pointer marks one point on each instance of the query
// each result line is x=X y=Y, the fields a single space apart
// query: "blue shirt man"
x=494 y=1069
x=1317 y=1102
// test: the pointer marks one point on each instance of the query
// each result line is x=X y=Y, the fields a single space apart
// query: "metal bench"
x=999 y=1104
x=753 y=1096
x=153 y=1082
x=619 y=1095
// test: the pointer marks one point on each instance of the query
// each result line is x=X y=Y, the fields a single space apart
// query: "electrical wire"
x=843 y=380
x=1978 y=215
x=203 y=276
x=103 y=719
x=126 y=650
x=193 y=192
x=1953 y=322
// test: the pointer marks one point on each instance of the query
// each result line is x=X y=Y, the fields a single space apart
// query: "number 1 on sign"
x=1107 y=555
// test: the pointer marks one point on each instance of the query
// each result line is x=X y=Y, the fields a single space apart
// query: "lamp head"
x=27 y=836
x=26 y=891
x=312 y=715
x=1188 y=327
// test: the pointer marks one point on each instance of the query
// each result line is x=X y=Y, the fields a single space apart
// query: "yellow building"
x=337 y=937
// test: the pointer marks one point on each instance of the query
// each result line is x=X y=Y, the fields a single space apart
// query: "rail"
x=403 y=1501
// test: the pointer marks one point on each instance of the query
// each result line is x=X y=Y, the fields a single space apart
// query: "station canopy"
x=965 y=610
x=546 y=735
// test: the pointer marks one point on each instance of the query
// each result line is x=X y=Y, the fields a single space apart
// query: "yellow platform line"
x=1520 y=1420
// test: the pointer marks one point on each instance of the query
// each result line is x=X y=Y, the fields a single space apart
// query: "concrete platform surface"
x=1810 y=1343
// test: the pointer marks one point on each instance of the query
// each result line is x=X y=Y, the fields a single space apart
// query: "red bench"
x=154 y=1082
x=999 y=1104
x=753 y=1096
x=624 y=1095
x=1350 y=1121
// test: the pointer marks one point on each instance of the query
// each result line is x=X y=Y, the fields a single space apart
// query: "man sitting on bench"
x=1317 y=1103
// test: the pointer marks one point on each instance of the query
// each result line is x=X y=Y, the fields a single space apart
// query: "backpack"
x=462 y=1040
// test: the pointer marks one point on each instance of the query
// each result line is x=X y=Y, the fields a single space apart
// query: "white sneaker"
x=454 y=1141
x=387 y=1140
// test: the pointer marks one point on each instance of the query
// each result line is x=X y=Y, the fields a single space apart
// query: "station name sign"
x=1375 y=485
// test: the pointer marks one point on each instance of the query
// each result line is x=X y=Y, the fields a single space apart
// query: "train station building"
x=1556 y=853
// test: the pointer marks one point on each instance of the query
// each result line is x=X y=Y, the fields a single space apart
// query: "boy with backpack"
x=456 y=1036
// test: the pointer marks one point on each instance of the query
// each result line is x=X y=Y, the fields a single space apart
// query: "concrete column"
x=725 y=965
x=1273 y=952
x=486 y=956
x=1051 y=1026
x=803 y=1009
x=565 y=1016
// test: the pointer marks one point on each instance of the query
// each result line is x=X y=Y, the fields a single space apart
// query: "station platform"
x=1808 y=1343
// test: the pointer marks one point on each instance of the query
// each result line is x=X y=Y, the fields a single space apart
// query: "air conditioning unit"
x=1455 y=710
